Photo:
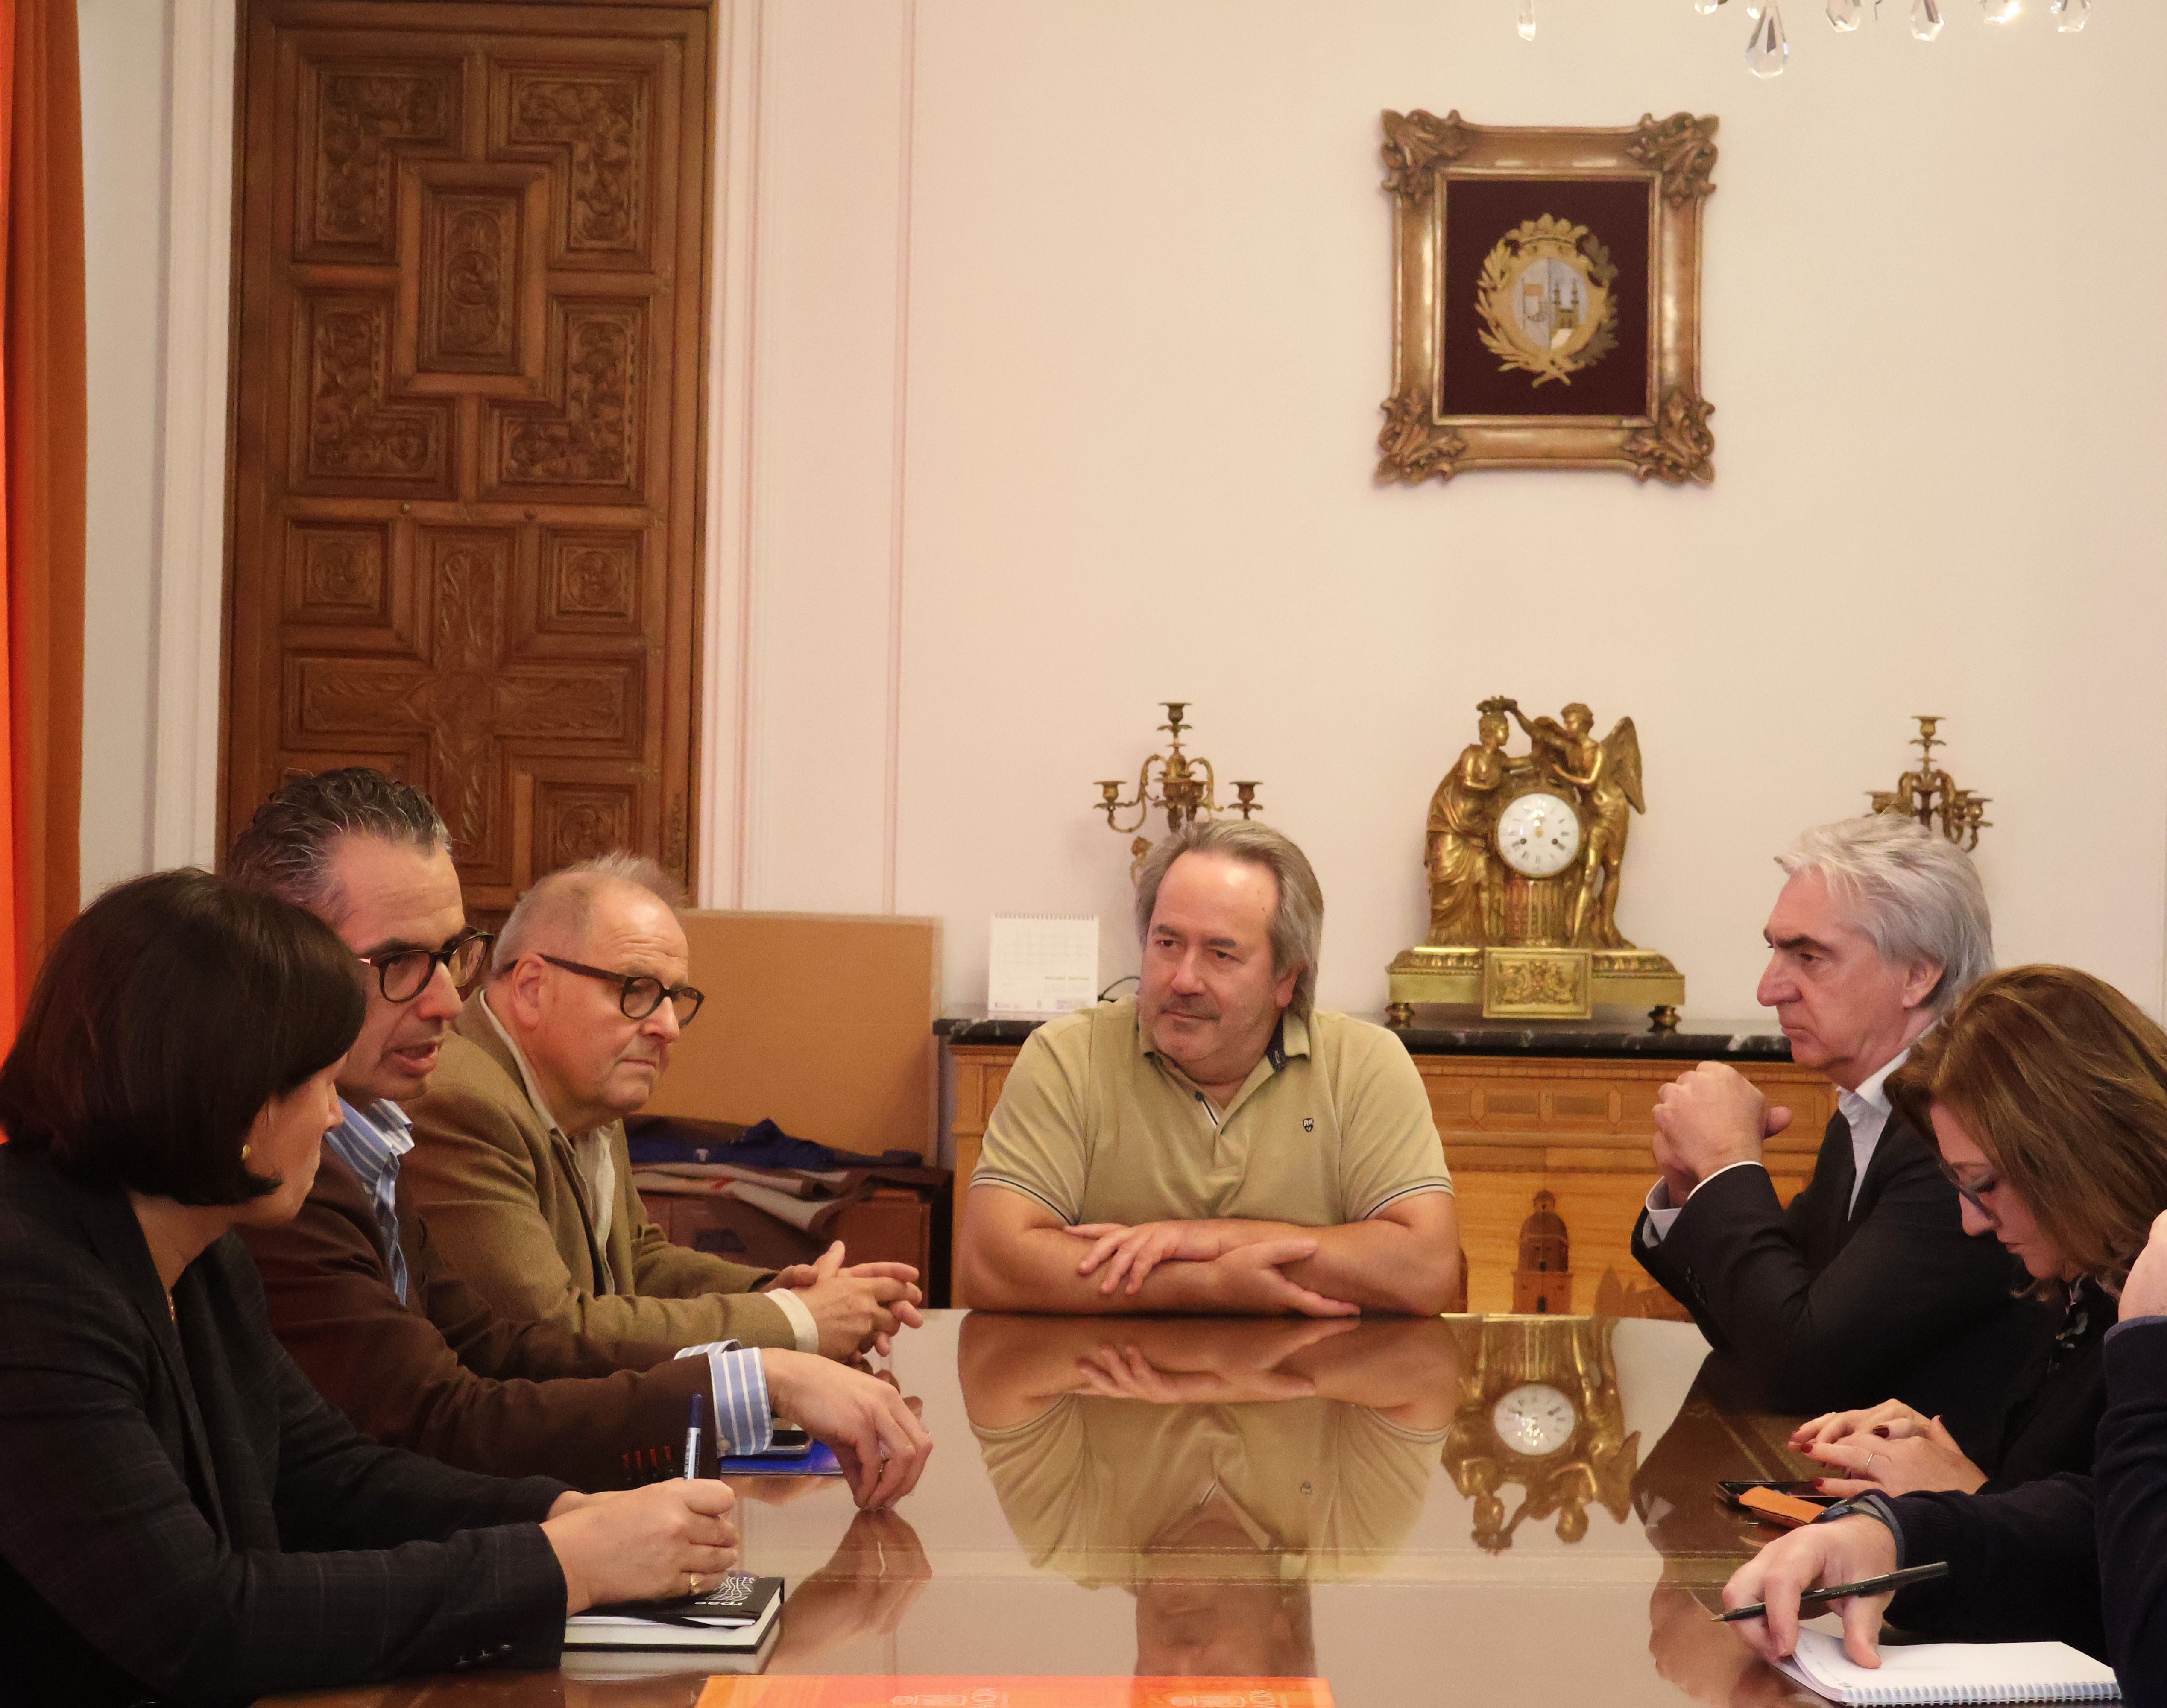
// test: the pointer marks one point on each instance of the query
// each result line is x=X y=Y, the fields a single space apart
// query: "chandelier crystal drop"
x=1769 y=47
x=1527 y=20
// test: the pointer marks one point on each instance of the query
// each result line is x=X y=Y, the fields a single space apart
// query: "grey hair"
x=562 y=905
x=1297 y=927
x=1915 y=894
x=289 y=847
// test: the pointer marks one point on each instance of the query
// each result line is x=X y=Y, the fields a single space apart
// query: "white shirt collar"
x=1872 y=1092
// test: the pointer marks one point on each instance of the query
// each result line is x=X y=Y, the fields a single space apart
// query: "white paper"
x=1952 y=1672
x=1040 y=967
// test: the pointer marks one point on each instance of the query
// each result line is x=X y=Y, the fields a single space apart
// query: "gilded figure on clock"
x=1457 y=853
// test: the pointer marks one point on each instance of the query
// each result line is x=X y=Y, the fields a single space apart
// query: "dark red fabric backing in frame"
x=1478 y=214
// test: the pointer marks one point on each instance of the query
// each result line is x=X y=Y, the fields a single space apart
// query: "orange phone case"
x=1785 y=1509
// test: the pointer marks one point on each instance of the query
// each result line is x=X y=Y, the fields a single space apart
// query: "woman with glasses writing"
x=2048 y=1094
x=181 y=1516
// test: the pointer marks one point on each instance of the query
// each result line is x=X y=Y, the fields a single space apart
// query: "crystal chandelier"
x=1767 y=47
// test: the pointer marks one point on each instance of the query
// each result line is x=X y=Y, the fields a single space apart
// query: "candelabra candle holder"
x=1184 y=788
x=1931 y=795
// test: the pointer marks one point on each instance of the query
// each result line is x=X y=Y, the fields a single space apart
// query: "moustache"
x=1194 y=1008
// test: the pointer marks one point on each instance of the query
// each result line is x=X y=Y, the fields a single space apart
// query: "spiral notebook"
x=1952 y=1672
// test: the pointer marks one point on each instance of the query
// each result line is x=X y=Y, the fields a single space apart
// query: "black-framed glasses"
x=1973 y=1191
x=404 y=974
x=639 y=995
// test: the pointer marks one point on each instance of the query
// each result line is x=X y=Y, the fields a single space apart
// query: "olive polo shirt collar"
x=1288 y=1039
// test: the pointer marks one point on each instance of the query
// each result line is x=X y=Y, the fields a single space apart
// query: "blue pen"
x=692 y=1438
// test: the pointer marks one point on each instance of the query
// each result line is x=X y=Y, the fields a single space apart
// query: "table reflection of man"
x=1216 y=1469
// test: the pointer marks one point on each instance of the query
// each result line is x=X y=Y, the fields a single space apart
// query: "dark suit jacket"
x=2079 y=1559
x=1824 y=1307
x=2022 y=1566
x=2133 y=1509
x=443 y=1374
x=184 y=1517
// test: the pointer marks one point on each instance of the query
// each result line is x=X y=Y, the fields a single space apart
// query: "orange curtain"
x=43 y=474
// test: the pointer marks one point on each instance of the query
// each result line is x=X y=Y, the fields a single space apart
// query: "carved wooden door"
x=466 y=463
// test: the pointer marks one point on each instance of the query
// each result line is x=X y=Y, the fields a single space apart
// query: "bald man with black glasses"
x=520 y=1163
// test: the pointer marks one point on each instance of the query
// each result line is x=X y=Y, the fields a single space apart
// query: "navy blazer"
x=1829 y=1304
x=184 y=1519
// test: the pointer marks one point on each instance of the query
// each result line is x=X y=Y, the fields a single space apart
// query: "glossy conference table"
x=1492 y=1510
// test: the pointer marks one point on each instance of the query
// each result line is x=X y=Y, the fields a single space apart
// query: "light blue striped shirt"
x=744 y=1422
x=372 y=1143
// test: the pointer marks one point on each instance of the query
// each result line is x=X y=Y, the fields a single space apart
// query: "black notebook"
x=733 y=1617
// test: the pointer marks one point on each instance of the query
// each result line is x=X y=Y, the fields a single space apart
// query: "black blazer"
x=2055 y=1408
x=182 y=1519
x=1823 y=1306
x=2080 y=1559
x=2133 y=1509
x=2022 y=1566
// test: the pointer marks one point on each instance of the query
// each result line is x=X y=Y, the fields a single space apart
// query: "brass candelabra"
x=1187 y=789
x=1931 y=795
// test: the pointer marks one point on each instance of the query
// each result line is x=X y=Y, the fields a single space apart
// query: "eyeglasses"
x=1973 y=1191
x=404 y=974
x=639 y=994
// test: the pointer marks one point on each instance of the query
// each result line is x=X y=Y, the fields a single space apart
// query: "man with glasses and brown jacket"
x=374 y=1308
x=520 y=1161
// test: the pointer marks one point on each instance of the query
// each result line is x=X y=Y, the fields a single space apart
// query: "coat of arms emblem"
x=1545 y=300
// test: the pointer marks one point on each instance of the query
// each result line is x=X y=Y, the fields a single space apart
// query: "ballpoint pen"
x=1837 y=1592
x=692 y=1438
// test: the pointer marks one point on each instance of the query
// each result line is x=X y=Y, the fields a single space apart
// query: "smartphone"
x=1730 y=1488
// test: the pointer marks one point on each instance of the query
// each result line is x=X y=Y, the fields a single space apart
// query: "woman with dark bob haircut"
x=182 y=1517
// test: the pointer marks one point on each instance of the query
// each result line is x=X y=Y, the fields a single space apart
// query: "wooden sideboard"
x=1522 y=1112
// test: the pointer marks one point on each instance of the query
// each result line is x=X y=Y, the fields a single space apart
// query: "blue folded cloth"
x=765 y=1145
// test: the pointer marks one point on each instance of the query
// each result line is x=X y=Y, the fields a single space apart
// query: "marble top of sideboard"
x=1693 y=1039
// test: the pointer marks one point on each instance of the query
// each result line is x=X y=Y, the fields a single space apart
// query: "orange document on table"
x=876 y=1691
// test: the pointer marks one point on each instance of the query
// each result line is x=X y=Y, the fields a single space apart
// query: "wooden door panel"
x=466 y=418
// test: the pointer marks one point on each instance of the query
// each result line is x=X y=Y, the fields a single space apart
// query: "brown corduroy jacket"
x=444 y=1375
x=503 y=1196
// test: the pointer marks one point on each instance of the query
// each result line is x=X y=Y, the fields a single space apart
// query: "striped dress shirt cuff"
x=743 y=1421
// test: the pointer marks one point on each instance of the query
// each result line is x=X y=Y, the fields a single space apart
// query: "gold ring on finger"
x=692 y=1585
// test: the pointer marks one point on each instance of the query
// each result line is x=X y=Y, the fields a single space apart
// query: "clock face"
x=1534 y=1419
x=1539 y=834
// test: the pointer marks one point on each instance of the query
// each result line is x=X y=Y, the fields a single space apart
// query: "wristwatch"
x=1870 y=1504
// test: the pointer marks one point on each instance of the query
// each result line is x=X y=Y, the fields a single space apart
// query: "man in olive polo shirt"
x=1215 y=1144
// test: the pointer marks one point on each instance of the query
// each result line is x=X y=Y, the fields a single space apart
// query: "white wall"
x=123 y=122
x=1148 y=316
x=1053 y=338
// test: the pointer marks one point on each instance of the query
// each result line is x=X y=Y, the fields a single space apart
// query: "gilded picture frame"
x=1537 y=322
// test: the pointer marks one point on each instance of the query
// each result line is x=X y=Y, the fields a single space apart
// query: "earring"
x=244 y=1153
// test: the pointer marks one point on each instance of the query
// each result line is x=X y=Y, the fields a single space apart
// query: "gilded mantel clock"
x=1524 y=853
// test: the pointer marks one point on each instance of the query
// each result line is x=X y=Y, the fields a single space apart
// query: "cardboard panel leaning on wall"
x=822 y=1022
